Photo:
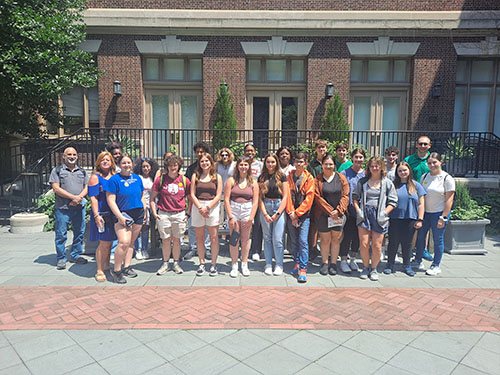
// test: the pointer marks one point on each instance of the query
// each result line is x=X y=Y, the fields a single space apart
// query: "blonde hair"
x=101 y=156
x=218 y=157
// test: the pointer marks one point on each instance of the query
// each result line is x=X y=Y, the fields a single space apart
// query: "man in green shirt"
x=341 y=161
x=418 y=161
x=315 y=167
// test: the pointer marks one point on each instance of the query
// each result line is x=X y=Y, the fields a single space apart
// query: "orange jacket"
x=321 y=205
x=307 y=188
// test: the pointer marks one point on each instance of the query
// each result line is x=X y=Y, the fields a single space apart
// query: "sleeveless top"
x=206 y=191
x=99 y=190
x=332 y=191
x=240 y=195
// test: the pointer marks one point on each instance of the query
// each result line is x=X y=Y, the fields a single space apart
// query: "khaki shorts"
x=171 y=224
x=211 y=221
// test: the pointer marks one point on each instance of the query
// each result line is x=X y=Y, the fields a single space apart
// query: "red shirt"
x=172 y=193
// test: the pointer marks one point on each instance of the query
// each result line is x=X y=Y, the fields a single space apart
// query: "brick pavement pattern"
x=249 y=307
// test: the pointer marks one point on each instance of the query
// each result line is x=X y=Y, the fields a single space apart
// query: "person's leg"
x=348 y=230
x=192 y=236
x=268 y=240
x=124 y=235
x=335 y=237
x=61 y=231
x=257 y=235
x=176 y=248
x=406 y=237
x=303 y=244
x=376 y=239
x=136 y=229
x=166 y=248
x=213 y=232
x=245 y=227
x=233 y=250
x=421 y=237
x=145 y=239
x=324 y=245
x=395 y=229
x=293 y=232
x=364 y=246
x=200 y=241
x=278 y=235
x=78 y=223
x=102 y=256
x=438 y=239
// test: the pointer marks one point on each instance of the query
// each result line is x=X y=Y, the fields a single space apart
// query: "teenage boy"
x=199 y=149
x=418 y=161
x=341 y=161
x=391 y=161
x=314 y=166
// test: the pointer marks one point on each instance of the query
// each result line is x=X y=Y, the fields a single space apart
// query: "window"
x=74 y=108
x=477 y=96
x=172 y=69
x=379 y=71
x=284 y=70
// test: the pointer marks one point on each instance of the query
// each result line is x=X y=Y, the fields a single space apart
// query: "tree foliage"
x=39 y=61
x=224 y=119
x=334 y=125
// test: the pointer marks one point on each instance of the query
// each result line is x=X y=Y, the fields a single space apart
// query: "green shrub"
x=492 y=199
x=129 y=146
x=225 y=121
x=238 y=149
x=465 y=207
x=334 y=125
x=45 y=204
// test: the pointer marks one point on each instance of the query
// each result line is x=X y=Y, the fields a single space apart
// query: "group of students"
x=350 y=206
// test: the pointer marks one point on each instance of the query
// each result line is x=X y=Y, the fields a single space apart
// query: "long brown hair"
x=101 y=156
x=378 y=160
x=212 y=172
x=397 y=180
x=265 y=176
x=236 y=174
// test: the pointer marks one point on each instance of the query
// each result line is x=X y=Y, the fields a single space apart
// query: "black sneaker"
x=332 y=269
x=208 y=254
x=213 y=270
x=201 y=270
x=79 y=260
x=118 y=277
x=129 y=272
x=313 y=253
x=189 y=255
x=324 y=269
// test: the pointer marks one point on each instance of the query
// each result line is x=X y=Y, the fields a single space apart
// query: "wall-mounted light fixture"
x=117 y=88
x=436 y=90
x=329 y=90
x=223 y=84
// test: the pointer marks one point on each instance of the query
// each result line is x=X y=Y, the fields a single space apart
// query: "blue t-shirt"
x=352 y=178
x=128 y=190
x=407 y=204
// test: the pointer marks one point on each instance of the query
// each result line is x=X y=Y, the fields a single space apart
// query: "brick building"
x=397 y=65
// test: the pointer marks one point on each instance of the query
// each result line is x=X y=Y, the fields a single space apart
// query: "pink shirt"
x=172 y=194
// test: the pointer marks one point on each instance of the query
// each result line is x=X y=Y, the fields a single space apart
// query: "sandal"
x=100 y=277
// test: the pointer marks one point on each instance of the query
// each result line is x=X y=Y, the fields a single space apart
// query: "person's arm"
x=448 y=203
x=344 y=196
x=282 y=206
x=75 y=199
x=94 y=202
x=392 y=198
x=111 y=198
x=255 y=201
x=421 y=211
x=152 y=203
x=227 y=198
x=218 y=195
x=307 y=203
x=290 y=209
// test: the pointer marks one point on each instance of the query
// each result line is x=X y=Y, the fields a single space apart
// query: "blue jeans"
x=430 y=222
x=273 y=233
x=192 y=237
x=142 y=241
x=63 y=218
x=299 y=239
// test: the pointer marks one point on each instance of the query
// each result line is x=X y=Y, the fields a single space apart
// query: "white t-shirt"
x=148 y=185
x=436 y=187
x=256 y=168
x=289 y=168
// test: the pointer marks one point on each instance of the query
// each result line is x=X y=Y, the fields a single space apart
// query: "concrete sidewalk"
x=57 y=322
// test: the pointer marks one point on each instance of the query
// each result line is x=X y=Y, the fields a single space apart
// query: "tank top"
x=240 y=195
x=332 y=191
x=206 y=191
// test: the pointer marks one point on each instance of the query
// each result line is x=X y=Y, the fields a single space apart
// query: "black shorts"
x=137 y=214
x=322 y=223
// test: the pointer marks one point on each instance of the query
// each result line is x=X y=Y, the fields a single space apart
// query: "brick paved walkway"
x=249 y=307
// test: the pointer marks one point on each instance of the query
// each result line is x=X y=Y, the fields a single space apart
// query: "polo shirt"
x=418 y=165
x=342 y=166
x=72 y=181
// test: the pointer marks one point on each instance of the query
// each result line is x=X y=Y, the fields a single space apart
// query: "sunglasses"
x=224 y=155
x=423 y=144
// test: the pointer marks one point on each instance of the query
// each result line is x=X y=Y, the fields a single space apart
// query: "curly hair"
x=266 y=176
x=152 y=163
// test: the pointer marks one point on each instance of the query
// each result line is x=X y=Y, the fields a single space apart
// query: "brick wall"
x=403 y=5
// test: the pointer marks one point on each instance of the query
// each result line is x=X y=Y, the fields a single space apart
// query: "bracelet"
x=95 y=216
x=188 y=215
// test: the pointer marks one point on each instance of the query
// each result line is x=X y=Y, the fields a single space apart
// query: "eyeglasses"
x=423 y=144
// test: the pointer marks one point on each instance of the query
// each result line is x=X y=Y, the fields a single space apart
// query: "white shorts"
x=211 y=221
x=171 y=224
x=241 y=211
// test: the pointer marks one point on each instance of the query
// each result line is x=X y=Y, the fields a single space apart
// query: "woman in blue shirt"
x=125 y=199
x=101 y=228
x=405 y=218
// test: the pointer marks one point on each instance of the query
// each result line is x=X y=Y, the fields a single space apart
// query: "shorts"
x=322 y=224
x=370 y=223
x=211 y=221
x=241 y=211
x=171 y=224
x=137 y=214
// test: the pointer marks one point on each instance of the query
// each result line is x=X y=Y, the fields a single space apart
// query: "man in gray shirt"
x=69 y=183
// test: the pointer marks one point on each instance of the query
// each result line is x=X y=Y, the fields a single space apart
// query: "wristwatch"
x=443 y=218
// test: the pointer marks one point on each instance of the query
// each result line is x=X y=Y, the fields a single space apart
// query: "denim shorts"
x=370 y=223
x=241 y=211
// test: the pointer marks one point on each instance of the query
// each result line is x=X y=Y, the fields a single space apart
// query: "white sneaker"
x=138 y=255
x=268 y=270
x=163 y=269
x=278 y=271
x=344 y=267
x=177 y=268
x=420 y=266
x=112 y=257
x=244 y=269
x=145 y=255
x=234 y=270
x=433 y=271
x=256 y=257
x=353 y=265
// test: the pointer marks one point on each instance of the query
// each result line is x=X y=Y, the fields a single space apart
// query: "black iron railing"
x=29 y=163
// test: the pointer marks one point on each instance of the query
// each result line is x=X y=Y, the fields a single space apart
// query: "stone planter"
x=28 y=223
x=465 y=237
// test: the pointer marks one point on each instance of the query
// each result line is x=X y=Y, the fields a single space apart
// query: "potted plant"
x=465 y=233
x=458 y=157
